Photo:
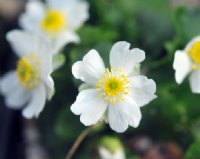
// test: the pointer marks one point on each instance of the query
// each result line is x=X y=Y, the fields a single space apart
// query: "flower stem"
x=79 y=140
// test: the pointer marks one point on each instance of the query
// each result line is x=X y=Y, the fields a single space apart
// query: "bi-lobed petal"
x=36 y=103
x=90 y=69
x=124 y=58
x=21 y=42
x=89 y=106
x=123 y=114
x=35 y=11
x=142 y=90
x=195 y=81
x=182 y=66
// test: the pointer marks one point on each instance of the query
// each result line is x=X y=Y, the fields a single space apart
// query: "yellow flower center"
x=113 y=85
x=194 y=53
x=27 y=71
x=54 y=21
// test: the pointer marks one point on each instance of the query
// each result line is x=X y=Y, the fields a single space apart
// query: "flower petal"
x=122 y=57
x=64 y=38
x=76 y=11
x=142 y=90
x=76 y=19
x=35 y=11
x=8 y=83
x=18 y=97
x=123 y=114
x=15 y=94
x=89 y=106
x=90 y=69
x=49 y=85
x=182 y=66
x=21 y=42
x=195 y=81
x=116 y=118
x=36 y=104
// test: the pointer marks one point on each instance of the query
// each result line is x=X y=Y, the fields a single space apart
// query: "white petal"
x=90 y=69
x=76 y=10
x=35 y=11
x=49 y=85
x=116 y=118
x=89 y=106
x=78 y=14
x=15 y=94
x=123 y=114
x=182 y=66
x=62 y=39
x=18 y=97
x=123 y=58
x=142 y=90
x=36 y=104
x=8 y=83
x=195 y=81
x=20 y=41
x=84 y=86
x=42 y=48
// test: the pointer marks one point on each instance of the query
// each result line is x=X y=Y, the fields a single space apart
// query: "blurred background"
x=170 y=127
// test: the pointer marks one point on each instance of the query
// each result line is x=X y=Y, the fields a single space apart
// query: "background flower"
x=188 y=62
x=57 y=20
x=30 y=84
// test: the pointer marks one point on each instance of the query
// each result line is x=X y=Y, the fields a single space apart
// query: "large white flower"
x=57 y=19
x=30 y=84
x=116 y=93
x=187 y=62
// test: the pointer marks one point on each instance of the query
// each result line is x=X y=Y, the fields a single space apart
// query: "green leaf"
x=194 y=151
x=187 y=23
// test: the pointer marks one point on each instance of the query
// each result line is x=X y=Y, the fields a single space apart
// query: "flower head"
x=111 y=148
x=57 y=19
x=187 y=62
x=30 y=84
x=116 y=93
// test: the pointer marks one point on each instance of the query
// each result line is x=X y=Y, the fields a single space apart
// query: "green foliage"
x=193 y=152
x=160 y=30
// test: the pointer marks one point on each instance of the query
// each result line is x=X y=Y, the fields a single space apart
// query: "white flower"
x=105 y=154
x=187 y=62
x=111 y=148
x=57 y=19
x=30 y=84
x=116 y=93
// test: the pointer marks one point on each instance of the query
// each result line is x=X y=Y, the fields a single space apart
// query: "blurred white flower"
x=116 y=93
x=187 y=62
x=30 y=84
x=106 y=154
x=57 y=20
x=111 y=148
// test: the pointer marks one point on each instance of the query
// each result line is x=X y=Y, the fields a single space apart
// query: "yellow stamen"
x=54 y=21
x=194 y=52
x=26 y=71
x=113 y=85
